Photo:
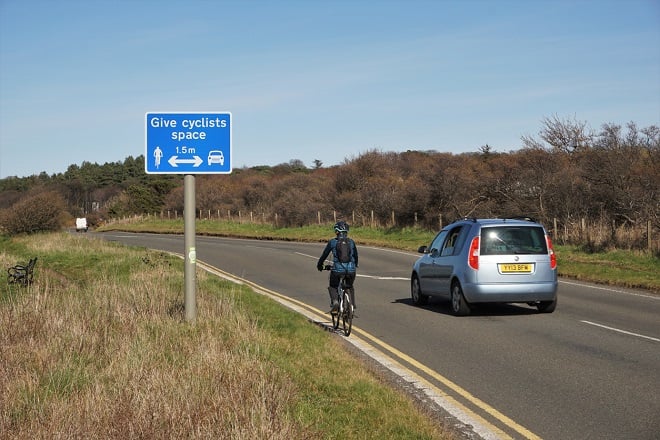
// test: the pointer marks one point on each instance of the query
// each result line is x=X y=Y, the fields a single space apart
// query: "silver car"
x=475 y=261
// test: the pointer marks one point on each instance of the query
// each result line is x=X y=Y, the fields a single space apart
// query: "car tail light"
x=473 y=256
x=553 y=257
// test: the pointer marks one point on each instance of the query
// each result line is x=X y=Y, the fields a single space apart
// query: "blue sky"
x=317 y=80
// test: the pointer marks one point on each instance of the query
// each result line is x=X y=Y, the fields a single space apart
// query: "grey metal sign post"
x=190 y=259
x=188 y=143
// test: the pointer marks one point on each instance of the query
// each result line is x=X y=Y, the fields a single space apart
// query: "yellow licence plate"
x=515 y=268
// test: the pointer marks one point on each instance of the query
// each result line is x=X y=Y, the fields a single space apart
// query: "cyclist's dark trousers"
x=335 y=278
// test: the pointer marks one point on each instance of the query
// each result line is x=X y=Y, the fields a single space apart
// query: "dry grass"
x=98 y=348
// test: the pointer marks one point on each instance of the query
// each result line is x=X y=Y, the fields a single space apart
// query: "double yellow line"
x=482 y=426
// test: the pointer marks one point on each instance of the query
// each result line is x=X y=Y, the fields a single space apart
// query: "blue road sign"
x=188 y=143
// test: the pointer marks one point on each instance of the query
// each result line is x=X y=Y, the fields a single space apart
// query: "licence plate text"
x=515 y=268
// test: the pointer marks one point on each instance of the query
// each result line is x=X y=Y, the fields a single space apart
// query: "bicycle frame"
x=341 y=288
x=345 y=312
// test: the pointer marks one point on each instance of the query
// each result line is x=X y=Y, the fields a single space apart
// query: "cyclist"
x=339 y=268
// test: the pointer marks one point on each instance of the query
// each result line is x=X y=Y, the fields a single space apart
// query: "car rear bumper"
x=501 y=292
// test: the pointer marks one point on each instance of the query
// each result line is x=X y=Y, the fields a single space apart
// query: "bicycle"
x=346 y=310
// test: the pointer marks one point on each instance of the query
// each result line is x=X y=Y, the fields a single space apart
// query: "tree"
x=297 y=200
x=563 y=135
x=623 y=176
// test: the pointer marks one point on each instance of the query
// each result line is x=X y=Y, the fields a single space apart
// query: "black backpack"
x=343 y=249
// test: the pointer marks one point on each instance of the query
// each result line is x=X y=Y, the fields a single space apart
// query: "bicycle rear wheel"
x=347 y=315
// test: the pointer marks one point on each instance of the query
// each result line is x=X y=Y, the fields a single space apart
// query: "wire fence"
x=594 y=234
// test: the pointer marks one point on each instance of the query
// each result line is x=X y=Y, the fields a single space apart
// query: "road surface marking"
x=481 y=426
x=621 y=331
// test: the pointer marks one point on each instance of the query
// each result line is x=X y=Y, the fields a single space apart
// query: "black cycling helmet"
x=341 y=226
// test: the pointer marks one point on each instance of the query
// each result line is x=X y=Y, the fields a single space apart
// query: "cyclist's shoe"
x=334 y=306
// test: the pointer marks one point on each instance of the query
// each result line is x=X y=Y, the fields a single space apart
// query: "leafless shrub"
x=40 y=211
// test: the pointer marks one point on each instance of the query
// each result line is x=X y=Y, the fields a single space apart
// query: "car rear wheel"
x=546 y=306
x=459 y=306
x=418 y=298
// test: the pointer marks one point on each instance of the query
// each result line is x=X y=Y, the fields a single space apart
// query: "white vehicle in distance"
x=81 y=224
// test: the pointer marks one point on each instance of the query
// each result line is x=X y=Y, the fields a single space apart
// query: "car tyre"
x=418 y=298
x=459 y=306
x=546 y=306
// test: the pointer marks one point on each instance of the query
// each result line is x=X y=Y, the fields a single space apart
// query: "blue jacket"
x=339 y=267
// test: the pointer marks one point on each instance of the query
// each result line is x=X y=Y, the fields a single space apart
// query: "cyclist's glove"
x=319 y=266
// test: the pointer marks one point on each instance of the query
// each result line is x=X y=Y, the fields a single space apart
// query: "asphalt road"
x=590 y=370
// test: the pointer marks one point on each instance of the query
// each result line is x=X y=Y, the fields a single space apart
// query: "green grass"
x=615 y=267
x=634 y=269
x=98 y=347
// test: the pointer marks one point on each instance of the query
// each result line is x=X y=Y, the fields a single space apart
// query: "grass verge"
x=97 y=347
x=616 y=267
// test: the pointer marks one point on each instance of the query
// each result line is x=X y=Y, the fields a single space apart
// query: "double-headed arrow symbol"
x=175 y=161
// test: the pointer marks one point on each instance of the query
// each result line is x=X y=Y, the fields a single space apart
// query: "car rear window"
x=500 y=240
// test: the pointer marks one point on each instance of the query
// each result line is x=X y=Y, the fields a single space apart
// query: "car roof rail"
x=462 y=219
x=521 y=217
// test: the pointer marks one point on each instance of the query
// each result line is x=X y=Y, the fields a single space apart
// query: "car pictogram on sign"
x=216 y=156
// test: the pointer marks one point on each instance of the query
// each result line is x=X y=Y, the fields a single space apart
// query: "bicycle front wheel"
x=347 y=315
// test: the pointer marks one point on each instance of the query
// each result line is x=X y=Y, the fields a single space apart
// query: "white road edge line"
x=469 y=419
x=466 y=418
x=609 y=289
x=620 y=331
